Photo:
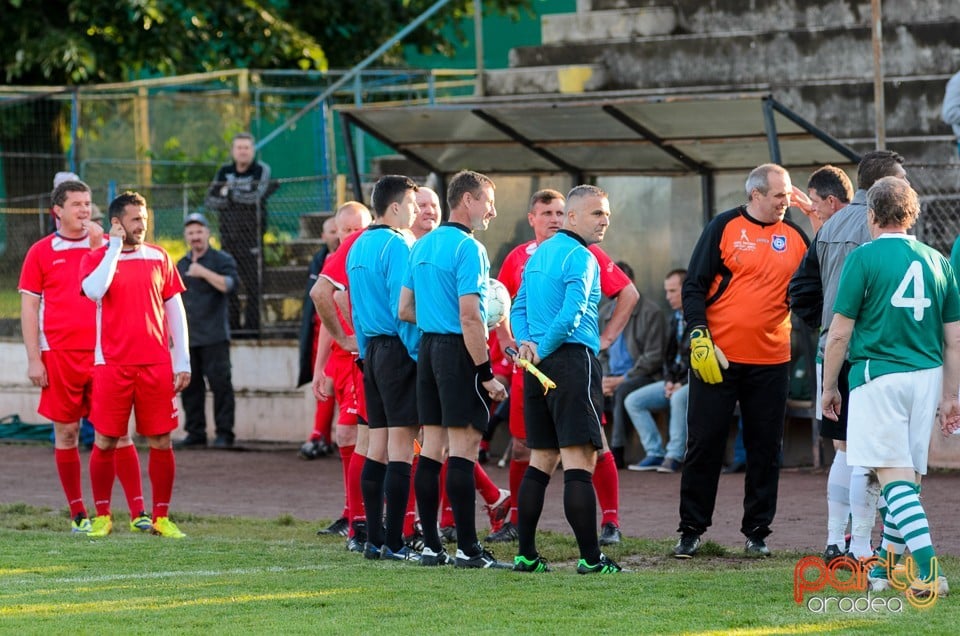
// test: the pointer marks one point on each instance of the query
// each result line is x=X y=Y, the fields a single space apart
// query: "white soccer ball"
x=498 y=302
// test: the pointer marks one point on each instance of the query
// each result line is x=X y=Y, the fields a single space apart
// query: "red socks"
x=606 y=482
x=410 y=519
x=517 y=469
x=354 y=492
x=323 y=420
x=162 y=469
x=102 y=473
x=127 y=463
x=446 y=511
x=346 y=454
x=68 y=467
x=485 y=486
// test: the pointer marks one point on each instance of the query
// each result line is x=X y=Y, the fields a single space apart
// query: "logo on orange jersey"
x=779 y=243
x=744 y=243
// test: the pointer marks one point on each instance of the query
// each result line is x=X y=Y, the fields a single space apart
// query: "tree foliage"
x=90 y=41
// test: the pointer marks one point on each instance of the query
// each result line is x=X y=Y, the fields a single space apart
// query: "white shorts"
x=891 y=419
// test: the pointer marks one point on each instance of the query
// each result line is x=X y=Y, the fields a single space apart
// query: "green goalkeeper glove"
x=706 y=359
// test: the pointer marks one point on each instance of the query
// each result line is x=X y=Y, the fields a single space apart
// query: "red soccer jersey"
x=51 y=271
x=612 y=278
x=132 y=329
x=335 y=270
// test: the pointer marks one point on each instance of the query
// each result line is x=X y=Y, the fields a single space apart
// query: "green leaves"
x=83 y=41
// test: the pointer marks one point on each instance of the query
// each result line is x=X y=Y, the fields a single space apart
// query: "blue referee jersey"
x=558 y=297
x=444 y=265
x=376 y=267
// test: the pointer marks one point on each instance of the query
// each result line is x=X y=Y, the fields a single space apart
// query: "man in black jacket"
x=669 y=394
x=210 y=276
x=239 y=194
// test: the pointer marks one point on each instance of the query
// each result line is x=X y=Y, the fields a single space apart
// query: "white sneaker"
x=919 y=589
x=878 y=584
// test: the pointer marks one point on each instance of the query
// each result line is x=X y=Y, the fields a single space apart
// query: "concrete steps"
x=593 y=26
x=814 y=55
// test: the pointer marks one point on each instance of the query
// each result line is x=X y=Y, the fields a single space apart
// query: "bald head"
x=352 y=217
x=428 y=218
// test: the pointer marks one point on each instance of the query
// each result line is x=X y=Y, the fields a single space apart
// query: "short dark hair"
x=545 y=196
x=120 y=203
x=875 y=165
x=894 y=203
x=243 y=135
x=59 y=196
x=625 y=266
x=681 y=272
x=831 y=180
x=390 y=189
x=463 y=182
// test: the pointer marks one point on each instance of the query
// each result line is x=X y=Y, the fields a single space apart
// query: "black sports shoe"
x=756 y=548
x=448 y=534
x=223 y=442
x=406 y=553
x=483 y=560
x=523 y=564
x=610 y=534
x=604 y=566
x=355 y=544
x=359 y=538
x=687 y=546
x=338 y=527
x=832 y=553
x=506 y=534
x=190 y=442
x=414 y=541
x=371 y=551
x=430 y=558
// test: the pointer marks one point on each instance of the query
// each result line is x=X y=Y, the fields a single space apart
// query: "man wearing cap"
x=210 y=276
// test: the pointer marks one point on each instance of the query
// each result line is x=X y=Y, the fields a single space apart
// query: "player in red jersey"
x=546 y=218
x=336 y=359
x=59 y=332
x=137 y=290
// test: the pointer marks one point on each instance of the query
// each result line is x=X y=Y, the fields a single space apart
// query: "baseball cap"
x=60 y=177
x=196 y=217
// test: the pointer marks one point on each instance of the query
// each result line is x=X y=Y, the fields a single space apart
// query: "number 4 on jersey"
x=918 y=301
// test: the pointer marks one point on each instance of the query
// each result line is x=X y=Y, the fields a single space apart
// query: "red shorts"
x=517 y=428
x=347 y=388
x=145 y=390
x=66 y=398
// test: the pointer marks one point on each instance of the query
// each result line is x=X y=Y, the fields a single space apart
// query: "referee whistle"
x=532 y=370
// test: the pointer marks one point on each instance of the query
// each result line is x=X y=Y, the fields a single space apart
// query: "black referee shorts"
x=449 y=392
x=568 y=415
x=390 y=383
x=838 y=430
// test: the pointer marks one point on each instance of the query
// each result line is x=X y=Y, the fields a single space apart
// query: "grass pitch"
x=240 y=575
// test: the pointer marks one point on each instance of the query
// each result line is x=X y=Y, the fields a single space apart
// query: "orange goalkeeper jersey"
x=737 y=285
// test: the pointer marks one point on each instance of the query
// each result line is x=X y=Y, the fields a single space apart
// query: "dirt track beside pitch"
x=272 y=482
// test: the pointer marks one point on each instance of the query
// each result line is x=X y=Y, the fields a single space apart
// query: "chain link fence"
x=293 y=216
x=939 y=190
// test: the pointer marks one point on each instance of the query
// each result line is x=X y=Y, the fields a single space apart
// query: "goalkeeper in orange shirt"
x=735 y=299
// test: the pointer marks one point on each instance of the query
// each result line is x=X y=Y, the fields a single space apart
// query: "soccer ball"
x=498 y=302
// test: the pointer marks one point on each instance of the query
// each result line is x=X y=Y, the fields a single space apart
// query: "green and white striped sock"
x=907 y=513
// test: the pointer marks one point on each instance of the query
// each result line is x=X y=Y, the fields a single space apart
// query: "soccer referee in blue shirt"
x=376 y=266
x=445 y=294
x=555 y=320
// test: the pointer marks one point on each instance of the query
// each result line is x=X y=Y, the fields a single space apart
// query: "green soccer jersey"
x=900 y=292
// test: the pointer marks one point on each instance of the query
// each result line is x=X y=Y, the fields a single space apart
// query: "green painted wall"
x=500 y=34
